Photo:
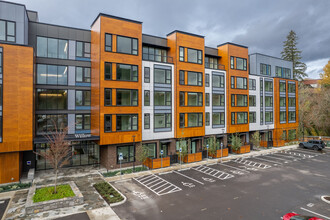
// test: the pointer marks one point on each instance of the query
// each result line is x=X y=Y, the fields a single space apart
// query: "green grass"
x=15 y=186
x=47 y=193
x=125 y=171
x=109 y=194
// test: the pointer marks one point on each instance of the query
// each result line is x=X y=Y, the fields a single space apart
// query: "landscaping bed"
x=47 y=193
x=15 y=186
x=124 y=171
x=108 y=193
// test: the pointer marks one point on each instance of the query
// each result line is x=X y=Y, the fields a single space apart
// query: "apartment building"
x=116 y=89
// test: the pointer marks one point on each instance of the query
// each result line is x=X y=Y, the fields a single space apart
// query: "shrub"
x=125 y=171
x=109 y=194
x=15 y=186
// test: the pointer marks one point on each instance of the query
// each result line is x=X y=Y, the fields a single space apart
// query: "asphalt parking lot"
x=261 y=187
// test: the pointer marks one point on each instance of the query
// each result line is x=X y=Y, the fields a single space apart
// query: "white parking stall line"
x=287 y=156
x=270 y=161
x=188 y=177
x=298 y=154
x=276 y=158
x=307 y=152
x=157 y=185
x=315 y=213
x=218 y=174
x=251 y=163
x=226 y=165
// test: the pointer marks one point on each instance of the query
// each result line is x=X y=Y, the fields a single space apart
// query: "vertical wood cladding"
x=226 y=51
x=174 y=41
x=9 y=167
x=115 y=27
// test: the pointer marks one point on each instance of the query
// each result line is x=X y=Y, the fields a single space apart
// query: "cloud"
x=314 y=68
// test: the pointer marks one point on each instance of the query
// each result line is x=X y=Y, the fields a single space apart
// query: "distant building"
x=314 y=83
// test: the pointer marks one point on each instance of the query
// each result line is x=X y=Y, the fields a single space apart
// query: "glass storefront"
x=82 y=153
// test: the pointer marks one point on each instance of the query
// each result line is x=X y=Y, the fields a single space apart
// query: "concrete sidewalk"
x=203 y=162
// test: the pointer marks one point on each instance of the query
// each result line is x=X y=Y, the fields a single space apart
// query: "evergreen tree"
x=291 y=53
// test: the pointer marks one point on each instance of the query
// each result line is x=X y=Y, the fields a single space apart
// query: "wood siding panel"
x=9 y=167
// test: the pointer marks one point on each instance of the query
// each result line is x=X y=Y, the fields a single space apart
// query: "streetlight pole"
x=134 y=153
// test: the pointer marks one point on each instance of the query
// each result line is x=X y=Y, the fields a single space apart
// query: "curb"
x=117 y=203
x=324 y=200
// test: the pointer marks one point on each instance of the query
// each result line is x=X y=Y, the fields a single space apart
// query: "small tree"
x=58 y=153
x=142 y=154
x=184 y=147
x=236 y=142
x=213 y=145
x=256 y=138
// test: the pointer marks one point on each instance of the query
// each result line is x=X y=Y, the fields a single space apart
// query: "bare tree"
x=58 y=153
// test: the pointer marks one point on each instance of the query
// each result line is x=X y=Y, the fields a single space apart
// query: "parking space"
x=3 y=206
x=315 y=207
x=213 y=172
x=251 y=163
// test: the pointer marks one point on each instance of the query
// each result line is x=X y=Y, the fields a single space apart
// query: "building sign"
x=83 y=135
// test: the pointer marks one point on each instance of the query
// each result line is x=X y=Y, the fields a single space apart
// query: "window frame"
x=244 y=63
x=182 y=57
x=132 y=50
x=244 y=82
x=252 y=84
x=83 y=49
x=222 y=121
x=131 y=159
x=254 y=117
x=167 y=116
x=207 y=80
x=168 y=80
x=254 y=100
x=107 y=76
x=199 y=99
x=105 y=95
x=131 y=76
x=199 y=116
x=131 y=96
x=58 y=48
x=132 y=122
x=199 y=58
x=83 y=97
x=207 y=118
x=146 y=101
x=182 y=120
x=6 y=31
x=182 y=77
x=146 y=74
x=245 y=117
x=105 y=125
x=146 y=126
x=105 y=43
x=83 y=127
x=84 y=77
x=166 y=94
x=199 y=76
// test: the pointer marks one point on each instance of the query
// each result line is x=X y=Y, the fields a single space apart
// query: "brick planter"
x=31 y=207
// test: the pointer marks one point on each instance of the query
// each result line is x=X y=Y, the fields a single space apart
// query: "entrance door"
x=193 y=147
x=164 y=147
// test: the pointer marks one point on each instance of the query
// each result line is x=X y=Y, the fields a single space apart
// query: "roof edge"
x=115 y=17
x=183 y=32
x=232 y=44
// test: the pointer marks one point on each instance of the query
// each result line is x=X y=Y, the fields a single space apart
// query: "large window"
x=240 y=63
x=292 y=101
x=163 y=120
x=162 y=76
x=83 y=49
x=283 y=72
x=107 y=97
x=195 y=79
x=127 y=122
x=128 y=153
x=287 y=73
x=52 y=75
x=252 y=100
x=241 y=83
x=195 y=119
x=252 y=117
x=83 y=122
x=52 y=99
x=265 y=69
x=52 y=48
x=83 y=74
x=50 y=123
x=194 y=56
x=151 y=150
x=268 y=117
x=218 y=118
x=83 y=98
x=268 y=86
x=127 y=72
x=107 y=123
x=218 y=81
x=242 y=100
x=292 y=116
x=242 y=118
x=108 y=42
x=146 y=97
x=127 y=45
x=282 y=86
x=147 y=121
x=291 y=87
x=218 y=99
x=7 y=31
x=108 y=71
x=283 y=116
x=195 y=99
x=211 y=62
x=181 y=77
x=268 y=101
x=127 y=97
x=181 y=54
x=252 y=84
x=154 y=54
x=282 y=102
x=162 y=98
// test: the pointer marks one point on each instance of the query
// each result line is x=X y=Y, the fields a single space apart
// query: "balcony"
x=157 y=58
x=214 y=66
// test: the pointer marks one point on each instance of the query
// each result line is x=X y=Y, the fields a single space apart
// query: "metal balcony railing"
x=215 y=66
x=157 y=58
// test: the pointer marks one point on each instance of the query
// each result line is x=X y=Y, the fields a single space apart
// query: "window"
x=284 y=135
x=163 y=76
x=232 y=82
x=261 y=101
x=181 y=54
x=182 y=120
x=283 y=116
x=252 y=117
x=83 y=98
x=163 y=120
x=127 y=97
x=207 y=99
x=52 y=48
x=146 y=74
x=218 y=99
x=211 y=62
x=265 y=69
x=292 y=134
x=195 y=119
x=278 y=71
x=83 y=49
x=282 y=86
x=261 y=85
x=291 y=88
x=146 y=97
x=127 y=45
x=147 y=121
x=128 y=153
x=108 y=42
x=261 y=117
x=181 y=80
x=83 y=122
x=268 y=117
x=268 y=86
x=51 y=99
x=181 y=98
x=195 y=79
x=233 y=118
x=252 y=100
x=292 y=116
x=232 y=63
x=268 y=101
x=241 y=83
x=194 y=56
x=252 y=84
x=107 y=97
x=207 y=80
x=83 y=74
x=292 y=102
x=107 y=123
x=240 y=63
x=218 y=81
x=151 y=150
x=207 y=118
x=127 y=72
x=287 y=73
x=1 y=61
x=107 y=71
x=282 y=102
x=283 y=72
x=162 y=98
x=52 y=75
x=241 y=100
x=48 y=123
x=218 y=118
x=242 y=118
x=7 y=31
x=127 y=122
x=154 y=54
x=195 y=99
x=233 y=100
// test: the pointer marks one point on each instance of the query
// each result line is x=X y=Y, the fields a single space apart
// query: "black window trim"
x=201 y=51
x=131 y=45
x=131 y=90
x=106 y=130
x=132 y=65
x=105 y=46
x=83 y=121
x=105 y=91
x=67 y=54
x=83 y=96
x=83 y=74
x=199 y=114
x=83 y=49
x=6 y=34
x=105 y=78
x=131 y=115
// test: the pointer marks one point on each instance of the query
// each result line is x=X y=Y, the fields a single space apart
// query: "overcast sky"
x=262 y=25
